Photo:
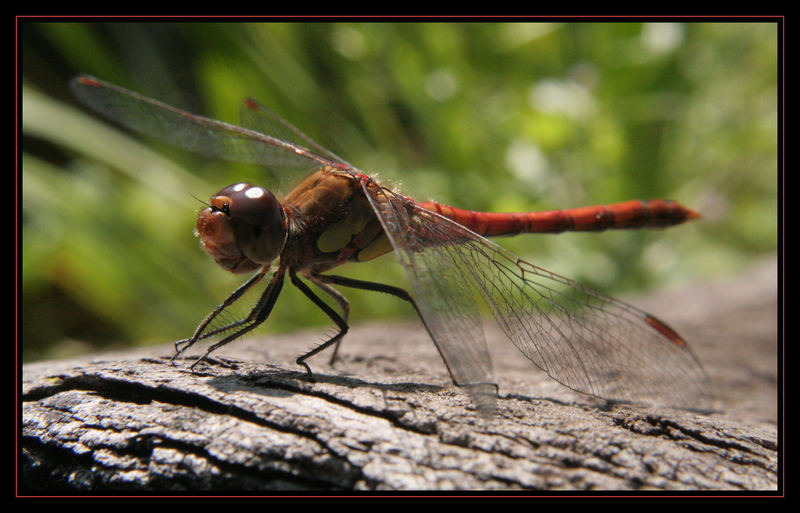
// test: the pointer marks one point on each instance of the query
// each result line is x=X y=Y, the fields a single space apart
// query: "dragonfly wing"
x=585 y=340
x=255 y=116
x=445 y=299
x=206 y=136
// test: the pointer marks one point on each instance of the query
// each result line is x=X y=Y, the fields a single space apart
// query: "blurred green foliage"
x=493 y=117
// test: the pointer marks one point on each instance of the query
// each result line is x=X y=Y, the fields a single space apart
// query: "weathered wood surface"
x=385 y=417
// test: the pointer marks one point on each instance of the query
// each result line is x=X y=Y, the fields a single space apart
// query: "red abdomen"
x=629 y=214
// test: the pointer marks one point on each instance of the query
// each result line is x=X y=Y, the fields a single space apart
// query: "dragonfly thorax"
x=243 y=228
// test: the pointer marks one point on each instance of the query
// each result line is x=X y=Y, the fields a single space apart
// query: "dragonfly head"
x=243 y=228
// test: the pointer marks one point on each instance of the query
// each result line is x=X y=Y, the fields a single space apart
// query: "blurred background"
x=492 y=117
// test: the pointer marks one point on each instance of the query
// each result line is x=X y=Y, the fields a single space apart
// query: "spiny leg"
x=257 y=315
x=198 y=332
x=321 y=279
x=330 y=312
x=209 y=334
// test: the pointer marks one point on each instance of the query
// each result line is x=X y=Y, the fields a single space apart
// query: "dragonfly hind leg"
x=325 y=280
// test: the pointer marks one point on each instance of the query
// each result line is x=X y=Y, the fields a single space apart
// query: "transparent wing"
x=442 y=290
x=586 y=340
x=255 y=116
x=284 y=160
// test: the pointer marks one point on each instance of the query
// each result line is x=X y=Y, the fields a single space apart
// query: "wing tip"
x=250 y=103
x=86 y=80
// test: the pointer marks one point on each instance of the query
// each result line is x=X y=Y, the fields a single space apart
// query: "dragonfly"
x=336 y=214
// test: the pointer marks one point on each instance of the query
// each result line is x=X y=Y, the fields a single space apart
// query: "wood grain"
x=386 y=417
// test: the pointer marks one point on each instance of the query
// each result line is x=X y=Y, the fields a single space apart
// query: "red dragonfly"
x=586 y=340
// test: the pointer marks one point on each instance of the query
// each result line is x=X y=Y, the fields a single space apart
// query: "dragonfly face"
x=244 y=227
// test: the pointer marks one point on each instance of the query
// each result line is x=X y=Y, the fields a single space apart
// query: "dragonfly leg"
x=343 y=304
x=330 y=312
x=209 y=334
x=367 y=285
x=363 y=285
x=198 y=332
x=257 y=315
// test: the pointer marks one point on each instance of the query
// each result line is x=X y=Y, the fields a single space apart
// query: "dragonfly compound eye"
x=243 y=229
x=258 y=222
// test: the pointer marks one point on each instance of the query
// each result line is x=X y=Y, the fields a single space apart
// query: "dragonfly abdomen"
x=626 y=215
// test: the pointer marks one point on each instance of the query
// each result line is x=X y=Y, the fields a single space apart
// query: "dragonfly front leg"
x=257 y=315
x=198 y=332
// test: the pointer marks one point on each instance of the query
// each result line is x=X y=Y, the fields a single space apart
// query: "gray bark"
x=386 y=416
